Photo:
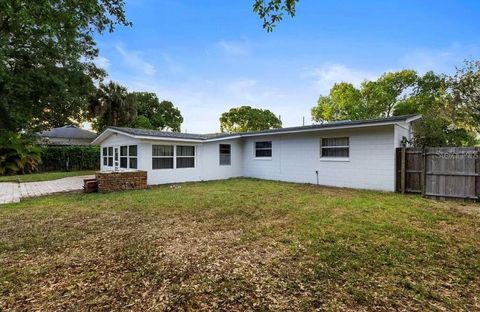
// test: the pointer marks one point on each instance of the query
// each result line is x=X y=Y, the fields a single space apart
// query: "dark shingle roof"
x=158 y=133
x=70 y=132
x=193 y=136
x=334 y=124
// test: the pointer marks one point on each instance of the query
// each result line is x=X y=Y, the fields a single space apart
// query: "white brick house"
x=356 y=154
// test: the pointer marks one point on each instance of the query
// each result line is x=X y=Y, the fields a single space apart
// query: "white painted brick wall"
x=207 y=166
x=296 y=157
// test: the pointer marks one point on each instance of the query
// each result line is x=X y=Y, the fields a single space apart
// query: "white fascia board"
x=152 y=138
x=223 y=138
x=321 y=129
x=102 y=137
x=109 y=132
x=413 y=118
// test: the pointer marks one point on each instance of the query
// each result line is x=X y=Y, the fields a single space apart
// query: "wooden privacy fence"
x=439 y=172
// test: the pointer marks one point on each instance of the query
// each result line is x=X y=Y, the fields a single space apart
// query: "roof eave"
x=413 y=118
x=322 y=129
x=107 y=132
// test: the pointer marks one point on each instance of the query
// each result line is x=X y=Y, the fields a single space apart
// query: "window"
x=162 y=156
x=132 y=156
x=185 y=156
x=263 y=149
x=225 y=154
x=110 y=156
x=105 y=156
x=128 y=156
x=335 y=148
x=123 y=156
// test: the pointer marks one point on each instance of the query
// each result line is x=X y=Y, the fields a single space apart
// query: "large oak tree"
x=47 y=53
x=246 y=118
x=155 y=114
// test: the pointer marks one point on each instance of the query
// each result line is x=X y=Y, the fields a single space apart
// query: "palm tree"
x=112 y=105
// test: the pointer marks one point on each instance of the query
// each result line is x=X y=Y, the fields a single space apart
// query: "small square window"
x=132 y=150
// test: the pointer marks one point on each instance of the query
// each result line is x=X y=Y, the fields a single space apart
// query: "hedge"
x=69 y=158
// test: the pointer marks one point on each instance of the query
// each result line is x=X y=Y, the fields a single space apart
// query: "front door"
x=116 y=161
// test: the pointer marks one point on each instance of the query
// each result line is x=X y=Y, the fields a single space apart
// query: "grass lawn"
x=238 y=245
x=44 y=176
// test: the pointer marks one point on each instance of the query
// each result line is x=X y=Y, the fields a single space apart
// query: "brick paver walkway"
x=9 y=193
x=12 y=192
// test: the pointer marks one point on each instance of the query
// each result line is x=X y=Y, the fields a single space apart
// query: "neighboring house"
x=356 y=154
x=67 y=135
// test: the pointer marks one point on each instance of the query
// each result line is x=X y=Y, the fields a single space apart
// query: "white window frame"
x=194 y=156
x=116 y=157
x=173 y=156
x=334 y=158
x=220 y=155
x=128 y=156
x=132 y=157
x=263 y=148
x=105 y=156
x=108 y=156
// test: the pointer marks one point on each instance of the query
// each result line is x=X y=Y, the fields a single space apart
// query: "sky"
x=208 y=56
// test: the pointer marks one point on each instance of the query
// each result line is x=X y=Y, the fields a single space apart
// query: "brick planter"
x=109 y=181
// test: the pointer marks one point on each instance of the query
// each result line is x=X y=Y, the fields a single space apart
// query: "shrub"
x=19 y=154
x=70 y=158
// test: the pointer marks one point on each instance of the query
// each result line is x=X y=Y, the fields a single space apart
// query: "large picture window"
x=185 y=156
x=225 y=151
x=263 y=149
x=335 y=147
x=162 y=156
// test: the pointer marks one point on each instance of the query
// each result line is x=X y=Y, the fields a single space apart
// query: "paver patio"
x=13 y=192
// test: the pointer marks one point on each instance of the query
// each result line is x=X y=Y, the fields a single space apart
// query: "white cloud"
x=326 y=76
x=134 y=60
x=424 y=60
x=441 y=60
x=173 y=66
x=102 y=62
x=235 y=48
x=243 y=89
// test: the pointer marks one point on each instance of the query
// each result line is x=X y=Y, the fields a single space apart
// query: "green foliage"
x=388 y=91
x=18 y=154
x=112 y=106
x=465 y=94
x=142 y=122
x=70 y=158
x=345 y=102
x=437 y=130
x=246 y=118
x=271 y=11
x=374 y=99
x=47 y=53
x=160 y=115
x=448 y=104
